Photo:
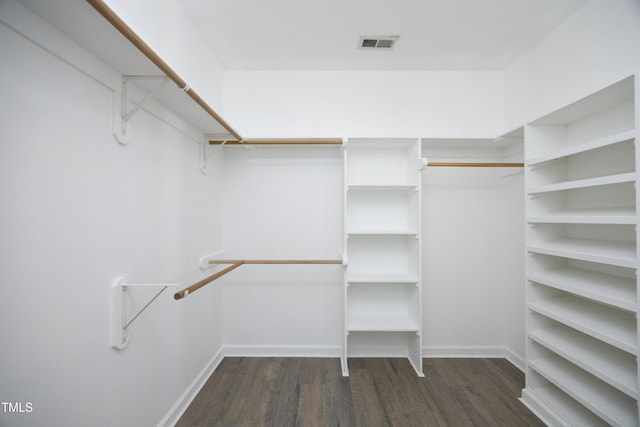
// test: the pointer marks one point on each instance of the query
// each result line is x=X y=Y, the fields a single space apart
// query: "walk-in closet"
x=279 y=213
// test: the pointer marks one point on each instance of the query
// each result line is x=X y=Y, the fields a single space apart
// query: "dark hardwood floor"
x=283 y=392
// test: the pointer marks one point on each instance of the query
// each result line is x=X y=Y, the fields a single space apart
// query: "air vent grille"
x=378 y=42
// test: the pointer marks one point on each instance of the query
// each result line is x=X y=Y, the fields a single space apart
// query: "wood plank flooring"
x=283 y=392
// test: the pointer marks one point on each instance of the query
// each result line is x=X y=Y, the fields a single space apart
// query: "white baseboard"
x=474 y=351
x=515 y=359
x=462 y=351
x=194 y=388
x=541 y=410
x=282 y=351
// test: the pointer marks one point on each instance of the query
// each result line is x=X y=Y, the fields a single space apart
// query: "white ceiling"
x=323 y=35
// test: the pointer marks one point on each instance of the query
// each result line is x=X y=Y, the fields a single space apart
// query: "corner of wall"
x=596 y=46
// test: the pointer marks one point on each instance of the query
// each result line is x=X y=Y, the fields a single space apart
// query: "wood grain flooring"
x=283 y=392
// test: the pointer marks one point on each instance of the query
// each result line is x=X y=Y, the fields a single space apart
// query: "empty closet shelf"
x=377 y=231
x=609 y=289
x=584 y=183
x=588 y=216
x=375 y=323
x=613 y=366
x=582 y=148
x=381 y=278
x=622 y=254
x=567 y=407
x=611 y=405
x=609 y=325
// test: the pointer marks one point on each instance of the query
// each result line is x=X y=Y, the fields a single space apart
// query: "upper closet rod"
x=126 y=31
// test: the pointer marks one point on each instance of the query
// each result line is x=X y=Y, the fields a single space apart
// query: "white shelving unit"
x=382 y=245
x=582 y=286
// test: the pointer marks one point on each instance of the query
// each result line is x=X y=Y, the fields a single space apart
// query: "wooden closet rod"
x=238 y=262
x=276 y=261
x=126 y=31
x=302 y=141
x=476 y=165
x=183 y=293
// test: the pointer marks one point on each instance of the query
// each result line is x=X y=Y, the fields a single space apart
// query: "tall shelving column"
x=382 y=288
x=582 y=287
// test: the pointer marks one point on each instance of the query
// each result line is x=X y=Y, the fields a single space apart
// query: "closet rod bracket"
x=204 y=155
x=123 y=114
x=120 y=322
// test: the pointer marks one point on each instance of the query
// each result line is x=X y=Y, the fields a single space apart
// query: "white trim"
x=541 y=409
x=463 y=351
x=476 y=351
x=181 y=405
x=516 y=359
x=239 y=350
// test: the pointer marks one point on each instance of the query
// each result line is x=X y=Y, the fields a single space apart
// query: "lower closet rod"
x=276 y=261
x=183 y=293
x=238 y=262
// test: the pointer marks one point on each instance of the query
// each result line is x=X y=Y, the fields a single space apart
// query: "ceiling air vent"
x=378 y=42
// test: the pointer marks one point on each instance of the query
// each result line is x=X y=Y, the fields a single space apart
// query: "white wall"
x=472 y=262
x=595 y=47
x=395 y=104
x=79 y=210
x=283 y=203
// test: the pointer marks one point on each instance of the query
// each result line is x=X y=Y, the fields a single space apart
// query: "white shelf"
x=381 y=278
x=380 y=163
x=563 y=405
x=383 y=187
x=612 y=366
x=609 y=325
x=608 y=289
x=593 y=145
x=606 y=99
x=381 y=323
x=609 y=404
x=388 y=211
x=380 y=144
x=584 y=183
x=623 y=215
x=383 y=254
x=381 y=232
x=382 y=307
x=622 y=254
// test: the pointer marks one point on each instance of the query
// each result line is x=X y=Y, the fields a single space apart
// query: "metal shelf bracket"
x=122 y=114
x=120 y=322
